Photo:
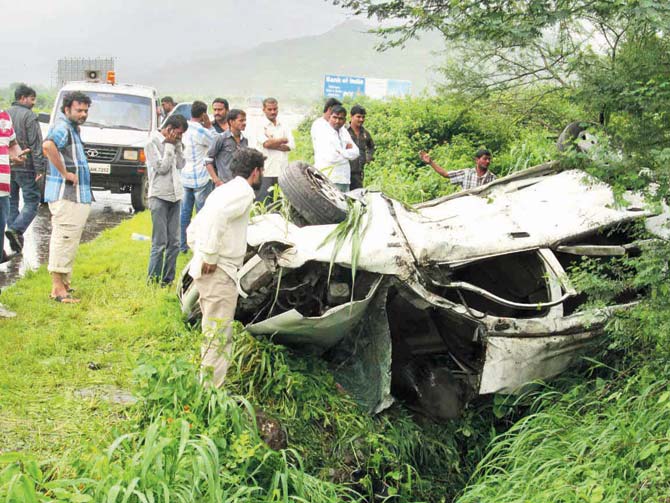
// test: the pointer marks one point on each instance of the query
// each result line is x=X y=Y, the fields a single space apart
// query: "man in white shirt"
x=321 y=124
x=334 y=148
x=218 y=238
x=275 y=141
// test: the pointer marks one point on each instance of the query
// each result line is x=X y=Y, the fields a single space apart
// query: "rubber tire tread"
x=307 y=200
x=569 y=135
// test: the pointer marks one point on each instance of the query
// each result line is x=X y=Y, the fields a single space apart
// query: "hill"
x=293 y=69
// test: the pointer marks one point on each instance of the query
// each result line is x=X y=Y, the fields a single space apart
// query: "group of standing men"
x=341 y=153
x=190 y=164
x=187 y=160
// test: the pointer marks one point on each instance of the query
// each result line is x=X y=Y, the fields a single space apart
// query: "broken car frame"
x=460 y=296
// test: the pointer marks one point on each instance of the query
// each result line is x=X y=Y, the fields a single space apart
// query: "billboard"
x=341 y=86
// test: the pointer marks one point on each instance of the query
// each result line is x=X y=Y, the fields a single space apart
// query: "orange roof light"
x=111 y=77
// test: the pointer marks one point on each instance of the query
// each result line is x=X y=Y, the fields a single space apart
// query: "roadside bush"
x=451 y=129
x=604 y=440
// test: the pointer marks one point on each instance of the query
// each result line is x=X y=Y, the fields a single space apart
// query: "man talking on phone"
x=165 y=160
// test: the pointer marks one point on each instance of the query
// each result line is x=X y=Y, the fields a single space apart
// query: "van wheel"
x=139 y=195
x=312 y=195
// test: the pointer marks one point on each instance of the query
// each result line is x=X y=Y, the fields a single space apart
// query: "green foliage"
x=510 y=44
x=351 y=229
x=339 y=443
x=452 y=129
x=189 y=442
x=634 y=93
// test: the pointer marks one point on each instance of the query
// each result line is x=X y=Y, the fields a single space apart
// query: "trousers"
x=164 y=240
x=218 y=300
x=23 y=181
x=192 y=197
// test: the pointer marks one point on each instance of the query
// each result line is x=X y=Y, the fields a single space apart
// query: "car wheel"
x=312 y=195
x=139 y=195
x=577 y=134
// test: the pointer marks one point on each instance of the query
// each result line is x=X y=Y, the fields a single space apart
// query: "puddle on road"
x=107 y=211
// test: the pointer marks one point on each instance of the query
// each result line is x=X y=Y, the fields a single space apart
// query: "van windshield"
x=118 y=111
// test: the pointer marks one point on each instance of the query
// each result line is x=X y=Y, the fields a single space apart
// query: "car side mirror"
x=44 y=117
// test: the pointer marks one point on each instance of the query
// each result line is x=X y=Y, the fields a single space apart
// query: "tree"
x=511 y=43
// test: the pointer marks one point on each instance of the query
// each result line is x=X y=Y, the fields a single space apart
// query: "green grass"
x=48 y=346
x=606 y=440
x=182 y=440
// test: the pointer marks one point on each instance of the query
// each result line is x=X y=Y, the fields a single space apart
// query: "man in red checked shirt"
x=9 y=152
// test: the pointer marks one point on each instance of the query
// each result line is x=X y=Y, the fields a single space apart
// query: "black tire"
x=312 y=195
x=139 y=195
x=576 y=134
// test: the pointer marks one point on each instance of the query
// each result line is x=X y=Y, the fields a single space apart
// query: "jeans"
x=192 y=197
x=164 y=240
x=263 y=195
x=342 y=187
x=23 y=181
x=4 y=213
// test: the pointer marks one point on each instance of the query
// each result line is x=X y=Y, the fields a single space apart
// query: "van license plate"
x=101 y=169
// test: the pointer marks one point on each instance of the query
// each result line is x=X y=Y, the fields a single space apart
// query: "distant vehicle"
x=182 y=108
x=121 y=118
x=457 y=297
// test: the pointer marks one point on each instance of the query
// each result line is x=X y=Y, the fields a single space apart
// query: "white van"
x=120 y=120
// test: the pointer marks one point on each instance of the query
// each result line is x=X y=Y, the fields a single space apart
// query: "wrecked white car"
x=457 y=297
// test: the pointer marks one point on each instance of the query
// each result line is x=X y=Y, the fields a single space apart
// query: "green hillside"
x=293 y=69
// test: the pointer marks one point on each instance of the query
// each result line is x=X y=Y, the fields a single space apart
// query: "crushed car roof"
x=540 y=209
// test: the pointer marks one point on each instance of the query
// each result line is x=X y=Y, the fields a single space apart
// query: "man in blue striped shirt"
x=68 y=192
x=194 y=177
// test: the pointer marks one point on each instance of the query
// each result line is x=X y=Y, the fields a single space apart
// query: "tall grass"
x=604 y=441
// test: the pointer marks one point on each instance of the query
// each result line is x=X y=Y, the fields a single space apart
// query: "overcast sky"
x=146 y=33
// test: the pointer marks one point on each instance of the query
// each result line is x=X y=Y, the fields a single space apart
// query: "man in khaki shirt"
x=218 y=238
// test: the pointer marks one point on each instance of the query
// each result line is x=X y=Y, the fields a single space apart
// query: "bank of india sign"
x=341 y=86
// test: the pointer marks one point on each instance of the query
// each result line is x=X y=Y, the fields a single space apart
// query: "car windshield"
x=183 y=109
x=118 y=111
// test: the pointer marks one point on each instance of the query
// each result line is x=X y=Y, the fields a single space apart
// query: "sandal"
x=66 y=299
